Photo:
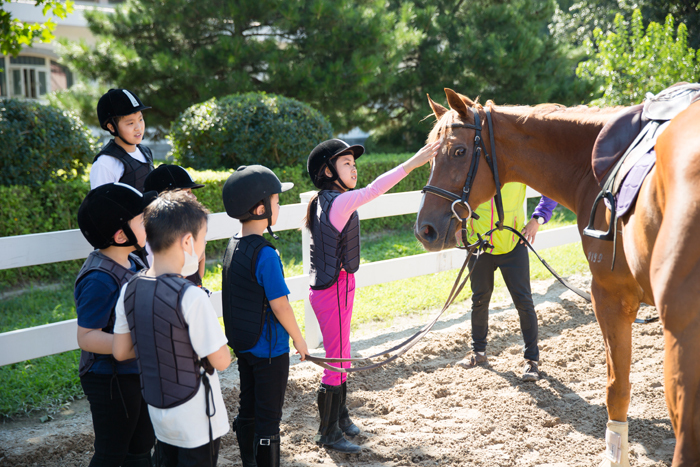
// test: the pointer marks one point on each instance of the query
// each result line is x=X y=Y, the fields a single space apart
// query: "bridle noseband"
x=479 y=147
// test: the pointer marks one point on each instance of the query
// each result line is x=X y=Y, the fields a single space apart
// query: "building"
x=36 y=71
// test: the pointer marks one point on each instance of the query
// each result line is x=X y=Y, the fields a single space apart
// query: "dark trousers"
x=515 y=268
x=173 y=456
x=263 y=384
x=117 y=434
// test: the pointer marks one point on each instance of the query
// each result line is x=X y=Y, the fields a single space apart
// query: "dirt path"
x=425 y=410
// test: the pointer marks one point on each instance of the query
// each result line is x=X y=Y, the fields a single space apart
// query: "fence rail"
x=51 y=247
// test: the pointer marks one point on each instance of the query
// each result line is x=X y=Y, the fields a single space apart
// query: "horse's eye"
x=459 y=152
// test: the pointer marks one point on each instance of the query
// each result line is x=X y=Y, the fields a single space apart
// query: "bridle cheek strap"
x=463 y=198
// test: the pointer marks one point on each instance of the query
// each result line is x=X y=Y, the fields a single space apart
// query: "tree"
x=628 y=62
x=575 y=21
x=15 y=35
x=333 y=54
x=497 y=50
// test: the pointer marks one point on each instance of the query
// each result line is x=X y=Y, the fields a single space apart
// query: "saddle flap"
x=614 y=139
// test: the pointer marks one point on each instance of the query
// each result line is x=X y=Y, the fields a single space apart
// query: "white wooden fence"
x=51 y=247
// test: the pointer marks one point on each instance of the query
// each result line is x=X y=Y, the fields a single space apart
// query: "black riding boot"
x=344 y=422
x=245 y=433
x=329 y=433
x=138 y=460
x=267 y=450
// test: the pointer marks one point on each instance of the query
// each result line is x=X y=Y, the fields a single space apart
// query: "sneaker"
x=473 y=360
x=530 y=372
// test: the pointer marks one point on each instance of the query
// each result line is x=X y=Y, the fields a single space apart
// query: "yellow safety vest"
x=513 y=195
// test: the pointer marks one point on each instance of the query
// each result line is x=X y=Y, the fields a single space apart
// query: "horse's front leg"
x=616 y=311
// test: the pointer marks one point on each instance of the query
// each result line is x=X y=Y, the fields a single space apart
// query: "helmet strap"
x=116 y=134
x=266 y=215
x=268 y=212
x=336 y=177
x=130 y=238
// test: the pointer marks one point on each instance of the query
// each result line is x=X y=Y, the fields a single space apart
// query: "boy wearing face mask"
x=173 y=177
x=171 y=328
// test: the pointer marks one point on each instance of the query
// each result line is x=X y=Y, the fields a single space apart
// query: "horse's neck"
x=549 y=151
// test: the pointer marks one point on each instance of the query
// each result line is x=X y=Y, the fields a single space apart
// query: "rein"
x=472 y=250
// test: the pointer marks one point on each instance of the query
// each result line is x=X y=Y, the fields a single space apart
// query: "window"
x=28 y=77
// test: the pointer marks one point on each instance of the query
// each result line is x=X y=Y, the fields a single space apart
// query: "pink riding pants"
x=333 y=309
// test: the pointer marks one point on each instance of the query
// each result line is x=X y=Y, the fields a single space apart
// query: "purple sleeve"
x=345 y=204
x=544 y=208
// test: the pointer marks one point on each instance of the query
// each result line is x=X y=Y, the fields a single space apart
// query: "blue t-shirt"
x=95 y=298
x=274 y=340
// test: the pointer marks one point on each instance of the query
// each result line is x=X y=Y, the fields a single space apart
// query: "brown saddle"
x=614 y=139
x=616 y=136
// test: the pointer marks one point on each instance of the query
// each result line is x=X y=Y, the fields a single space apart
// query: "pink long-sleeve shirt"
x=347 y=203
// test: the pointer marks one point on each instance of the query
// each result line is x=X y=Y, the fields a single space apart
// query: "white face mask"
x=191 y=263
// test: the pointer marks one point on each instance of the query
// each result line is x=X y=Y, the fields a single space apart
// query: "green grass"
x=48 y=382
x=41 y=384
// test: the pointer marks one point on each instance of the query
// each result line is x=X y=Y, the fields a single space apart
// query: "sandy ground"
x=425 y=410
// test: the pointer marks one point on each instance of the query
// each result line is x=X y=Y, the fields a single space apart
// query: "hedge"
x=41 y=143
x=54 y=206
x=252 y=128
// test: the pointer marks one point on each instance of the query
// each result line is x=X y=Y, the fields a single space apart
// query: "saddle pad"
x=633 y=182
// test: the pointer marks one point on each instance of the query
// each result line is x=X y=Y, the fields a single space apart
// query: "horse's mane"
x=578 y=114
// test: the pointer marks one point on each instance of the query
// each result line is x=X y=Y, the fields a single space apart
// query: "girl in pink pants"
x=335 y=257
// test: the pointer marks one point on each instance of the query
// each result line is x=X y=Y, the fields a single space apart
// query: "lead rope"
x=472 y=250
x=207 y=395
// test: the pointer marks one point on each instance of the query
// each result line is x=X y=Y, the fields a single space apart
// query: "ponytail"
x=310 y=210
x=326 y=184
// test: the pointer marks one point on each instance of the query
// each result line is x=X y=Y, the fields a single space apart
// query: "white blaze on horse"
x=657 y=262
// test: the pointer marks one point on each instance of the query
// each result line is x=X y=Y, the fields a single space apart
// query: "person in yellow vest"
x=510 y=255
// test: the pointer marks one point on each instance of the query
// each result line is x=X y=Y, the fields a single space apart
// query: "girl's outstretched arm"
x=345 y=204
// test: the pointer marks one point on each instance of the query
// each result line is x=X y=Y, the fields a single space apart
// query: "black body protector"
x=169 y=368
x=96 y=261
x=244 y=302
x=332 y=250
x=134 y=171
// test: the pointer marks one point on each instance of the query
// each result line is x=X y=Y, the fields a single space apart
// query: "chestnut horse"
x=548 y=147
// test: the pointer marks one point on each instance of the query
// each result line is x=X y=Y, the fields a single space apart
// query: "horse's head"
x=437 y=216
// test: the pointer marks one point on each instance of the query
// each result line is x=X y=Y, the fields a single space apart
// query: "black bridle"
x=479 y=148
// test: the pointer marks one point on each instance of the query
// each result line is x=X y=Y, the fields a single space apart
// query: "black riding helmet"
x=108 y=208
x=321 y=156
x=169 y=177
x=246 y=187
x=117 y=103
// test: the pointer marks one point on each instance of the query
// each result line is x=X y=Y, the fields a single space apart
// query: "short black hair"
x=171 y=216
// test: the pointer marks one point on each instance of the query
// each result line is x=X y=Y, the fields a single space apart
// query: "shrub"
x=54 y=206
x=40 y=142
x=252 y=128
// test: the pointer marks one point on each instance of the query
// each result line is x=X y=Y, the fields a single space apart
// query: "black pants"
x=117 y=435
x=515 y=268
x=173 y=456
x=263 y=384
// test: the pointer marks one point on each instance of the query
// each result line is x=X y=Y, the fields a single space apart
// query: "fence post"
x=313 y=330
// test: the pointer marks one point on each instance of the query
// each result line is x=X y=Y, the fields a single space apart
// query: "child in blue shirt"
x=257 y=315
x=111 y=219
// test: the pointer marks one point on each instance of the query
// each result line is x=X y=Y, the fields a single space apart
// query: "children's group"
x=151 y=342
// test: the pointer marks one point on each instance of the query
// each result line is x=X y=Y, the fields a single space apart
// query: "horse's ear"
x=458 y=102
x=438 y=110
